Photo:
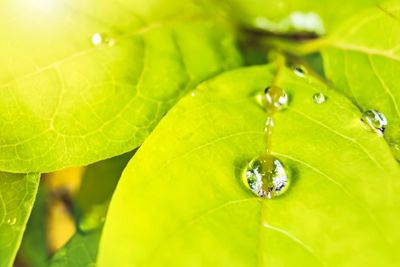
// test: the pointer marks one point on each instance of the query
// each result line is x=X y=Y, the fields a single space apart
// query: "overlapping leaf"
x=362 y=59
x=65 y=101
x=181 y=200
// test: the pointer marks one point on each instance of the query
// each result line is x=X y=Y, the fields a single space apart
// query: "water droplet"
x=318 y=98
x=99 y=38
x=374 y=121
x=192 y=94
x=276 y=98
x=12 y=221
x=266 y=176
x=300 y=71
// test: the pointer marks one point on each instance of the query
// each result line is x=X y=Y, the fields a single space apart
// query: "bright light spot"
x=296 y=21
x=97 y=39
x=45 y=6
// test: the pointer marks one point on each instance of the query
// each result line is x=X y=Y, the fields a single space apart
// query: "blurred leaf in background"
x=87 y=191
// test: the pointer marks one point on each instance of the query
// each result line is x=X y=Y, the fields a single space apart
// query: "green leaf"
x=17 y=195
x=91 y=203
x=181 y=200
x=362 y=59
x=34 y=251
x=293 y=16
x=67 y=102
x=81 y=250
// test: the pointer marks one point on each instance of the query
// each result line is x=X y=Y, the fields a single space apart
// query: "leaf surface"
x=362 y=59
x=81 y=81
x=181 y=200
x=17 y=195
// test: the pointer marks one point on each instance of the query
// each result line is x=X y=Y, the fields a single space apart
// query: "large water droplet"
x=266 y=176
x=318 y=98
x=300 y=71
x=374 y=121
x=99 y=38
x=276 y=98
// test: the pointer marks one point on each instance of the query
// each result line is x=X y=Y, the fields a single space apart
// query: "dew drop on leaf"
x=318 y=98
x=374 y=121
x=276 y=98
x=12 y=221
x=98 y=39
x=266 y=176
x=300 y=71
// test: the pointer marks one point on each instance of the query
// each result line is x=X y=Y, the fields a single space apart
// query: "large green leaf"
x=362 y=59
x=181 y=200
x=65 y=101
x=17 y=195
x=293 y=16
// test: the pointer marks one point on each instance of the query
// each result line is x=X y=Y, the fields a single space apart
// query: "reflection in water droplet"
x=99 y=38
x=318 y=98
x=300 y=71
x=374 y=121
x=266 y=176
x=276 y=98
x=12 y=221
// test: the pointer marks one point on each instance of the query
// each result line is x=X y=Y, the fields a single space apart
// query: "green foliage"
x=293 y=16
x=190 y=200
x=17 y=195
x=81 y=250
x=33 y=248
x=98 y=183
x=87 y=102
x=364 y=68
x=83 y=82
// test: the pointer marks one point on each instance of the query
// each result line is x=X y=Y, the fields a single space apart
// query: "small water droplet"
x=318 y=98
x=276 y=98
x=300 y=71
x=99 y=38
x=192 y=94
x=266 y=176
x=12 y=221
x=374 y=121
